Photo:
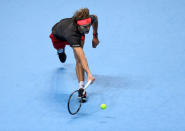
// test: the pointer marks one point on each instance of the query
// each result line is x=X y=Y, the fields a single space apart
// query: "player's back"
x=63 y=28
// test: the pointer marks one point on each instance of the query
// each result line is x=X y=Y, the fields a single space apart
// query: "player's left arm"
x=95 y=40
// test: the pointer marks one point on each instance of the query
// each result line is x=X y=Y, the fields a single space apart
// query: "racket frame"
x=81 y=99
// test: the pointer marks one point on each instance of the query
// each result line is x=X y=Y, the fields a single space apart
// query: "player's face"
x=84 y=28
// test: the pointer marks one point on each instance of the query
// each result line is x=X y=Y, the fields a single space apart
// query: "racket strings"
x=74 y=103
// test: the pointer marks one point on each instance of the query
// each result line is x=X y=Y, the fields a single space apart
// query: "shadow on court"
x=104 y=89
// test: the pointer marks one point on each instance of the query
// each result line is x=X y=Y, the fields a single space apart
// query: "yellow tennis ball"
x=103 y=106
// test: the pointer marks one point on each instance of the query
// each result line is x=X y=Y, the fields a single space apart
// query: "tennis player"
x=71 y=31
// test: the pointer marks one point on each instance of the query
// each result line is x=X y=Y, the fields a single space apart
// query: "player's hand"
x=95 y=42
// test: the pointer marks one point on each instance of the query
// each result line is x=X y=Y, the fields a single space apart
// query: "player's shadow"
x=62 y=84
x=105 y=81
x=124 y=82
x=102 y=89
x=107 y=89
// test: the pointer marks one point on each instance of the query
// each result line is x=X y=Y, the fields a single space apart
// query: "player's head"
x=83 y=20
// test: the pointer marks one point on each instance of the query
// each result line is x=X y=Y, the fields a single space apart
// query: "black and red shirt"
x=66 y=30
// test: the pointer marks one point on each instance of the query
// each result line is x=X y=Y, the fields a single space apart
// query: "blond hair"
x=81 y=14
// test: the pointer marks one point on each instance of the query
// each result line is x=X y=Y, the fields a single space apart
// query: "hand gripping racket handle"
x=88 y=83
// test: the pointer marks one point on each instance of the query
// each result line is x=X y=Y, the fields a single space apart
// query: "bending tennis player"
x=71 y=31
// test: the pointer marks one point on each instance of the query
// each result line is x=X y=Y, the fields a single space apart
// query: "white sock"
x=81 y=84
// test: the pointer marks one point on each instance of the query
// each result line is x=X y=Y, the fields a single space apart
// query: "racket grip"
x=88 y=83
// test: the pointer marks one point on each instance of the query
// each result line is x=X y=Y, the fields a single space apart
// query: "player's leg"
x=79 y=71
x=80 y=75
x=60 y=47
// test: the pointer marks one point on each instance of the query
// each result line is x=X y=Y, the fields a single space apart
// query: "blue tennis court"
x=139 y=67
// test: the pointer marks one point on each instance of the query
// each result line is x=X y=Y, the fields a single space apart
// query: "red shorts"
x=58 y=44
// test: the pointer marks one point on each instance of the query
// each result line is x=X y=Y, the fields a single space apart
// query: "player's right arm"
x=81 y=57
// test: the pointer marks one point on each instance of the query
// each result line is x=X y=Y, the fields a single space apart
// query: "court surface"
x=139 y=67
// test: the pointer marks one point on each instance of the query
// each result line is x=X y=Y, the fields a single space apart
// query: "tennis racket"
x=75 y=102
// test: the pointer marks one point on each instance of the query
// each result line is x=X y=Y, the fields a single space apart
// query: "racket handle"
x=88 y=83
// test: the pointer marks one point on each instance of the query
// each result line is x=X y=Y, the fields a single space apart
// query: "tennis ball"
x=103 y=106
